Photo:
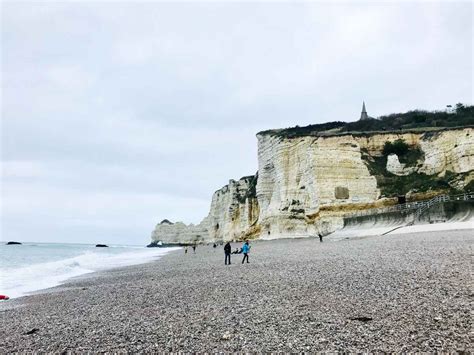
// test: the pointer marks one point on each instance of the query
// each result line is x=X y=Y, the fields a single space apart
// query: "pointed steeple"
x=363 y=114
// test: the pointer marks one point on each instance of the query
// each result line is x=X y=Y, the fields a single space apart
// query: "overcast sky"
x=118 y=115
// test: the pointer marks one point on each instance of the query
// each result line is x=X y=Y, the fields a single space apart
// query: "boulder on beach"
x=13 y=243
x=101 y=246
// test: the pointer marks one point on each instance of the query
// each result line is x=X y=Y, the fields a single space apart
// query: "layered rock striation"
x=306 y=185
x=297 y=176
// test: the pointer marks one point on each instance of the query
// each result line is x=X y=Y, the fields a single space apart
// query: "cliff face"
x=306 y=185
x=234 y=210
x=448 y=151
x=299 y=175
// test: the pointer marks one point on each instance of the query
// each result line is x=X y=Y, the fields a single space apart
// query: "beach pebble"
x=32 y=331
x=402 y=293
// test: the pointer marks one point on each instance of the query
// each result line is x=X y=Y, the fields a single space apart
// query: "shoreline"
x=69 y=282
x=29 y=271
x=295 y=295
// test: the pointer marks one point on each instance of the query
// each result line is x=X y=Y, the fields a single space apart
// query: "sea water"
x=35 y=266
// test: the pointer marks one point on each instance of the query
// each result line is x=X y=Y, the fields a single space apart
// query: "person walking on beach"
x=194 y=248
x=320 y=237
x=246 y=251
x=227 y=251
x=185 y=250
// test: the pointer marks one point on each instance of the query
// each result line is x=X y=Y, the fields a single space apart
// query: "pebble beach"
x=394 y=293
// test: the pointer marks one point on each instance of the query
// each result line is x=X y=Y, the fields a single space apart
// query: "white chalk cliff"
x=305 y=185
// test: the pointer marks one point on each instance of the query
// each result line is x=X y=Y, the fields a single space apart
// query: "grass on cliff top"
x=411 y=121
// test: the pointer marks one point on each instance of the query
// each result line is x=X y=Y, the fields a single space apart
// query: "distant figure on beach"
x=227 y=250
x=320 y=237
x=185 y=250
x=194 y=248
x=246 y=251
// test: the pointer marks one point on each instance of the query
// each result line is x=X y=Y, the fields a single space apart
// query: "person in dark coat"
x=227 y=251
x=320 y=237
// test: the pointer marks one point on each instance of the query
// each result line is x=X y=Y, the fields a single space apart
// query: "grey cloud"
x=144 y=109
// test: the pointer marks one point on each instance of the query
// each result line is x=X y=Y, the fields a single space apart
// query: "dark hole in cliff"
x=341 y=192
x=217 y=226
x=401 y=199
x=268 y=232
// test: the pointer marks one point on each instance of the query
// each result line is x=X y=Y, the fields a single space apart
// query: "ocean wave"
x=20 y=281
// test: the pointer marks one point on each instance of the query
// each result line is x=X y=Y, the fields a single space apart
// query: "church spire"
x=363 y=114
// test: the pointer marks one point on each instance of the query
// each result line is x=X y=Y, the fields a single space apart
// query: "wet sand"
x=406 y=292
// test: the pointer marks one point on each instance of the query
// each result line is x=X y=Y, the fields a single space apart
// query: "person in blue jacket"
x=246 y=251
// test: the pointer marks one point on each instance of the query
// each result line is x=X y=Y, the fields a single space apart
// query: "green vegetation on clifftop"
x=415 y=120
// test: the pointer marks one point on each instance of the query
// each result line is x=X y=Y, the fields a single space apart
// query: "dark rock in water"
x=159 y=244
x=13 y=243
x=32 y=331
x=101 y=246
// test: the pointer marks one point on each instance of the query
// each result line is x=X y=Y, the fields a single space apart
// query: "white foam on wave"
x=16 y=282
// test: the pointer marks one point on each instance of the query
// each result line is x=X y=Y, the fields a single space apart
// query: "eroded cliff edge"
x=306 y=185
